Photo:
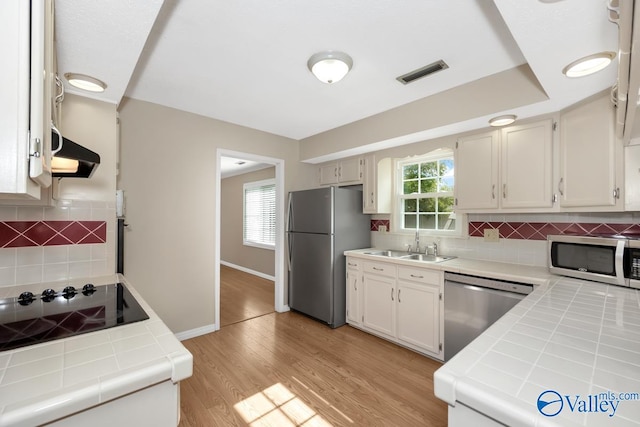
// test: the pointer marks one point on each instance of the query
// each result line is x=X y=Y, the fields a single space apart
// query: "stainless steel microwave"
x=607 y=259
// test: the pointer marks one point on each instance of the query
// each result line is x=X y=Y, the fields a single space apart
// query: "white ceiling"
x=231 y=166
x=245 y=61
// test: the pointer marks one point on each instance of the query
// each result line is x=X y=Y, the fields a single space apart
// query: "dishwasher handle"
x=489 y=283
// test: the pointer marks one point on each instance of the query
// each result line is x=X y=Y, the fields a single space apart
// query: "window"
x=259 y=214
x=425 y=194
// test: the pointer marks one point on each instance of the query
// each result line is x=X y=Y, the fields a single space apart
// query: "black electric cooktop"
x=33 y=318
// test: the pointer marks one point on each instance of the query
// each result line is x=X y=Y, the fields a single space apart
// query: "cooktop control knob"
x=88 y=289
x=69 y=292
x=26 y=298
x=48 y=295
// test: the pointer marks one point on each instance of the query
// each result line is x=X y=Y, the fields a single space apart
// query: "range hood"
x=72 y=160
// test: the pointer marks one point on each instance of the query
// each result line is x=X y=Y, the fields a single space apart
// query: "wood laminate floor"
x=243 y=296
x=284 y=369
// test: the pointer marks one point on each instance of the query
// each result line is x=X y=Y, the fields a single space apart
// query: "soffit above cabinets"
x=246 y=62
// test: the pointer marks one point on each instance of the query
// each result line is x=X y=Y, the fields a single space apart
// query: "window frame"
x=397 y=215
x=250 y=186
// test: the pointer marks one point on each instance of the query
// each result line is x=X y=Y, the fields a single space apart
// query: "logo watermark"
x=551 y=403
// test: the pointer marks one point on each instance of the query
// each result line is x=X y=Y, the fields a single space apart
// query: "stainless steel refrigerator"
x=322 y=224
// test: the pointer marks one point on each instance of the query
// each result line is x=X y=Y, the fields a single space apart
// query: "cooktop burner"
x=35 y=318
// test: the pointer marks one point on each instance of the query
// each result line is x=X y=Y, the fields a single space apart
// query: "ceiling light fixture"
x=330 y=66
x=503 y=120
x=589 y=64
x=85 y=82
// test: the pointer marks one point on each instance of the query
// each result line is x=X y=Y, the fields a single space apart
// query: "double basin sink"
x=410 y=256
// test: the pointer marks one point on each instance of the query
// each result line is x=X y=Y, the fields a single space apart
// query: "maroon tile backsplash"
x=17 y=234
x=540 y=230
x=375 y=223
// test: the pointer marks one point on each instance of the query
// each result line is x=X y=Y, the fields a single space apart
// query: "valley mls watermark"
x=551 y=403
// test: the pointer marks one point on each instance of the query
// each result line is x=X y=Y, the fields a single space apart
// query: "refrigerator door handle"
x=289 y=254
x=288 y=221
x=289 y=213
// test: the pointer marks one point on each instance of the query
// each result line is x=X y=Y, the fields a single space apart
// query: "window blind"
x=259 y=225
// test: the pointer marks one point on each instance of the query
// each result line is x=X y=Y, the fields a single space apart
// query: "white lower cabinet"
x=378 y=303
x=354 y=294
x=418 y=308
x=396 y=302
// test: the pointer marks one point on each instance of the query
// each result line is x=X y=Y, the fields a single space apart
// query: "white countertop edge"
x=175 y=366
x=533 y=275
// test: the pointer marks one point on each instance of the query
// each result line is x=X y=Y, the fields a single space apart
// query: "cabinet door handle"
x=493 y=191
x=399 y=290
x=561 y=186
x=352 y=265
x=417 y=277
x=378 y=269
x=504 y=191
x=391 y=294
x=616 y=193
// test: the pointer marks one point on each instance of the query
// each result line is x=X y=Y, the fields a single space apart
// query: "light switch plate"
x=491 y=235
x=382 y=228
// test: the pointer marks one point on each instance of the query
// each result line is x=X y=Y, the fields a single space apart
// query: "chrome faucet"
x=435 y=249
x=417 y=242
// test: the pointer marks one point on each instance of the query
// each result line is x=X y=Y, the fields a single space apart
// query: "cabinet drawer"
x=353 y=263
x=419 y=275
x=380 y=268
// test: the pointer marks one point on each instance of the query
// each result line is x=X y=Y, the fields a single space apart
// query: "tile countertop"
x=573 y=337
x=43 y=382
x=496 y=270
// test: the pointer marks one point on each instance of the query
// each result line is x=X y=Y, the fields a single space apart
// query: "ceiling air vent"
x=422 y=72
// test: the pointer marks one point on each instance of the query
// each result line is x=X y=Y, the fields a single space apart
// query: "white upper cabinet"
x=507 y=169
x=591 y=161
x=526 y=166
x=476 y=171
x=26 y=77
x=376 y=185
x=343 y=172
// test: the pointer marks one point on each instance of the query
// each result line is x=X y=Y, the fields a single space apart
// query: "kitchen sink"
x=427 y=258
x=388 y=253
x=412 y=256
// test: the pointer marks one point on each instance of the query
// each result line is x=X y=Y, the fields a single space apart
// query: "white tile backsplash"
x=513 y=251
x=55 y=263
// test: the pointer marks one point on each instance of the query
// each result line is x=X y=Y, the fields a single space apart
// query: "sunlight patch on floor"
x=278 y=406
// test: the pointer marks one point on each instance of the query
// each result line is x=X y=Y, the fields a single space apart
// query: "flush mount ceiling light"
x=84 y=82
x=503 y=120
x=589 y=64
x=330 y=66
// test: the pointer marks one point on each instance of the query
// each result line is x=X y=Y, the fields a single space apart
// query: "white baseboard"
x=248 y=270
x=192 y=333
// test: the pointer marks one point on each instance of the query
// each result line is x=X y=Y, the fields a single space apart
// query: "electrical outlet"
x=491 y=235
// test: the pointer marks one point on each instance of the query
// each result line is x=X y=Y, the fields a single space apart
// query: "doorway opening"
x=232 y=278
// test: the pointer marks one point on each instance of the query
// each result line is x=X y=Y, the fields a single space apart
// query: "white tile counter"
x=48 y=381
x=574 y=337
x=496 y=270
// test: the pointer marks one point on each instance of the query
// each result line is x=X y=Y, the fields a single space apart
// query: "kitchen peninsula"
x=124 y=375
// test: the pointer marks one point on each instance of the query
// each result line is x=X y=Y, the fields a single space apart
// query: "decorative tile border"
x=18 y=234
x=540 y=230
x=375 y=223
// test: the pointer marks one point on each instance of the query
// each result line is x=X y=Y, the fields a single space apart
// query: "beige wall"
x=499 y=92
x=231 y=248
x=168 y=172
x=92 y=124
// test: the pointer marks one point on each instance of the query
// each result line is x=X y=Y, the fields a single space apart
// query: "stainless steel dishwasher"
x=472 y=304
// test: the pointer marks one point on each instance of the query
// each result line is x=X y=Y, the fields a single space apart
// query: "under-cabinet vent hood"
x=72 y=160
